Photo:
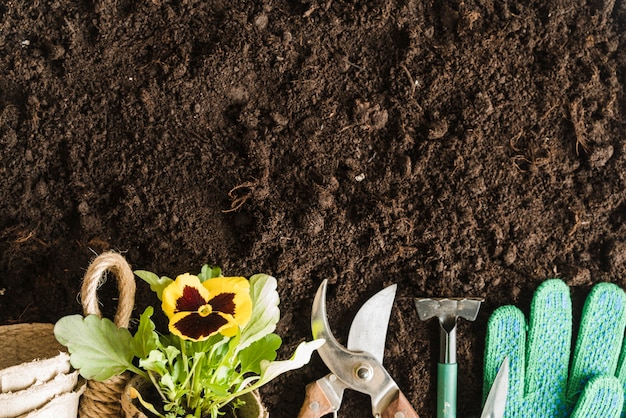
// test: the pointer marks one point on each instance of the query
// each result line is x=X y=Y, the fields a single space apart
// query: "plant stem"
x=183 y=352
x=156 y=385
x=137 y=371
x=192 y=393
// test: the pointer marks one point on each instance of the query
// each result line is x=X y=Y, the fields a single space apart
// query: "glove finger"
x=549 y=340
x=621 y=374
x=600 y=337
x=506 y=336
x=603 y=397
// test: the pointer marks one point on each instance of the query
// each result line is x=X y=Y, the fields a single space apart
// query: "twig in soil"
x=345 y=128
x=237 y=202
x=577 y=117
x=513 y=141
x=414 y=84
x=517 y=159
x=309 y=12
x=25 y=237
x=354 y=65
x=532 y=161
x=577 y=224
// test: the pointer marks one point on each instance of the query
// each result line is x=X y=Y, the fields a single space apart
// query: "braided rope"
x=102 y=399
x=116 y=264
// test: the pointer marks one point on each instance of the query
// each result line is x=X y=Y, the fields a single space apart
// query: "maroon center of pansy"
x=197 y=327
x=224 y=302
x=190 y=301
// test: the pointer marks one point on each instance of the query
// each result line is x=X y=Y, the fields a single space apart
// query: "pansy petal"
x=223 y=302
x=186 y=293
x=193 y=326
x=230 y=331
x=190 y=301
x=240 y=287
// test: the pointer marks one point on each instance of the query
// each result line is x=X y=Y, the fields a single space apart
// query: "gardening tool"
x=447 y=310
x=496 y=400
x=359 y=366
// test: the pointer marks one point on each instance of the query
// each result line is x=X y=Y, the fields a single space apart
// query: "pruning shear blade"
x=369 y=326
x=496 y=400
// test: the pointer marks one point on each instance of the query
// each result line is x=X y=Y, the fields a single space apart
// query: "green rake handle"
x=446 y=390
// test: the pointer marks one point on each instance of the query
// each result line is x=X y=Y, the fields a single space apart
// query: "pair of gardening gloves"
x=542 y=383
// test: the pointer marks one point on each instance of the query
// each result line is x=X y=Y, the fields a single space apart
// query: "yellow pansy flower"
x=198 y=310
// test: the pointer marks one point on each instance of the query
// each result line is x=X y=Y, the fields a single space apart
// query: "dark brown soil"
x=457 y=148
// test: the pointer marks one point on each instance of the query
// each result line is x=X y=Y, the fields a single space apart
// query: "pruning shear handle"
x=318 y=403
x=399 y=408
x=322 y=397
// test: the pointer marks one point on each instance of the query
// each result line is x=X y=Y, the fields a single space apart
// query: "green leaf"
x=301 y=357
x=272 y=369
x=263 y=349
x=98 y=348
x=171 y=352
x=265 y=312
x=155 y=361
x=157 y=284
x=167 y=382
x=146 y=339
x=209 y=272
x=135 y=394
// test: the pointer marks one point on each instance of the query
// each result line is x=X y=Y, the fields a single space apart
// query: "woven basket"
x=253 y=407
x=35 y=375
x=102 y=399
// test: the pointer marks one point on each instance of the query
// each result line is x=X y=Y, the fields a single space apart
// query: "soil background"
x=456 y=148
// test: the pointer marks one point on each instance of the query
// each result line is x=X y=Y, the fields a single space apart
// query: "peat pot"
x=36 y=379
x=253 y=407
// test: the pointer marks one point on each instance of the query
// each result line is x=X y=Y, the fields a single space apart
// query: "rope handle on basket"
x=102 y=399
x=116 y=264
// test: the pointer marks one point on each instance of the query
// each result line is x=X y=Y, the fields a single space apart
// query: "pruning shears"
x=359 y=366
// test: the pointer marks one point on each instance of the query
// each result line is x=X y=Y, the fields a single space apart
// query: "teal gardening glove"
x=539 y=384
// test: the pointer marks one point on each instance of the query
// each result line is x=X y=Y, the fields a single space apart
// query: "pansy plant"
x=221 y=342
